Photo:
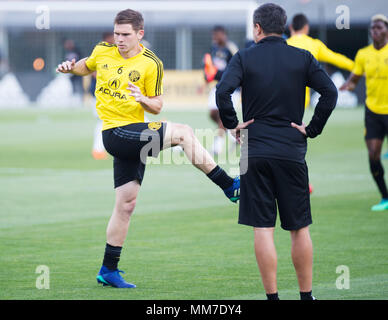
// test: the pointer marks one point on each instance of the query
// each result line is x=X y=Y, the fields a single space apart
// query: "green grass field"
x=184 y=241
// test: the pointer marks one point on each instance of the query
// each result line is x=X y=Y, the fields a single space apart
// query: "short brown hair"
x=131 y=17
x=271 y=17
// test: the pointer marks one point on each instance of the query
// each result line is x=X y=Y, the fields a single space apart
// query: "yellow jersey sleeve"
x=359 y=65
x=91 y=62
x=153 y=83
x=336 y=59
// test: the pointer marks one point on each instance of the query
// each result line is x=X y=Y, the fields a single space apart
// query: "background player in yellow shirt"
x=129 y=82
x=372 y=61
x=300 y=29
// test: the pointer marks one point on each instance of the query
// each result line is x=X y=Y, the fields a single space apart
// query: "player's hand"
x=350 y=86
x=66 y=66
x=236 y=132
x=135 y=92
x=301 y=128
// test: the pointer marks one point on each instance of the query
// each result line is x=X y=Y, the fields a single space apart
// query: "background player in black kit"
x=221 y=51
x=273 y=94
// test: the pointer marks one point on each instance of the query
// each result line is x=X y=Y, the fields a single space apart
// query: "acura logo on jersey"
x=114 y=83
x=114 y=94
x=134 y=75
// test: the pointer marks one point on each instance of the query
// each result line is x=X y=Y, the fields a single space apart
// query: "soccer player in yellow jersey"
x=129 y=82
x=299 y=29
x=372 y=62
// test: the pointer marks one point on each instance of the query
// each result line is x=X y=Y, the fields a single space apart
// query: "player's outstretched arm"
x=334 y=58
x=78 y=68
x=351 y=83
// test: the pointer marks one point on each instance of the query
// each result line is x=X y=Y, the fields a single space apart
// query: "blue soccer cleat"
x=113 y=278
x=381 y=206
x=233 y=192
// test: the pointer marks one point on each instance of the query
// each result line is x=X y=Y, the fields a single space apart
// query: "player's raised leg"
x=116 y=233
x=183 y=135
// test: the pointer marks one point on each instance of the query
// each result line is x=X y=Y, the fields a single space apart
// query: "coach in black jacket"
x=273 y=77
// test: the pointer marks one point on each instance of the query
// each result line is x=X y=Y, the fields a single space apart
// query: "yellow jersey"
x=320 y=52
x=114 y=105
x=373 y=64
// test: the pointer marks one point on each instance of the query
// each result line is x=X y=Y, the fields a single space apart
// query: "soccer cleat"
x=113 y=278
x=210 y=69
x=233 y=192
x=383 y=205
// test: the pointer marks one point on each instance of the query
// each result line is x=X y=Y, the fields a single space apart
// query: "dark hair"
x=131 y=17
x=271 y=18
x=219 y=28
x=299 y=21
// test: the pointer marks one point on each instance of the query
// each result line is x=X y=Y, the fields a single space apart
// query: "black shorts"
x=376 y=125
x=271 y=183
x=130 y=146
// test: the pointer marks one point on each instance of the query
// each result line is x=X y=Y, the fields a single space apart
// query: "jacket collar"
x=272 y=39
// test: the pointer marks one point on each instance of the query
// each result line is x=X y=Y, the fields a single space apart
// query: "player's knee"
x=127 y=207
x=301 y=233
x=373 y=155
x=185 y=132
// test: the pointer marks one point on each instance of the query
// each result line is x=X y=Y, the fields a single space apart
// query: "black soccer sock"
x=377 y=171
x=272 y=296
x=111 y=256
x=220 y=178
x=306 y=295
